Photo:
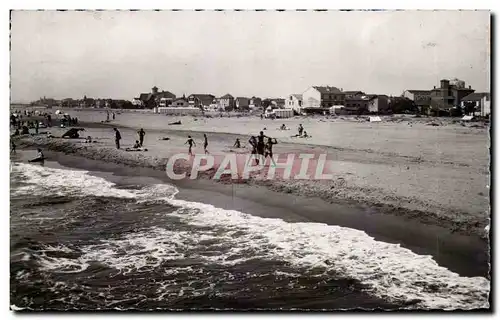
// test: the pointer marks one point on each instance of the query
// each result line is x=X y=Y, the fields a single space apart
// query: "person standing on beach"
x=118 y=137
x=237 y=143
x=301 y=129
x=49 y=121
x=12 y=146
x=37 y=126
x=253 y=143
x=113 y=116
x=205 y=143
x=191 y=142
x=260 y=143
x=269 y=146
x=141 y=133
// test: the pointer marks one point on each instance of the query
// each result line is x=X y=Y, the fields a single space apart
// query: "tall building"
x=449 y=95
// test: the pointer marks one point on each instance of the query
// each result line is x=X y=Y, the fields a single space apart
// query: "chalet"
x=200 y=100
x=242 y=103
x=255 y=103
x=294 y=102
x=180 y=103
x=477 y=104
x=378 y=103
x=322 y=97
x=357 y=103
x=226 y=102
x=155 y=98
x=421 y=98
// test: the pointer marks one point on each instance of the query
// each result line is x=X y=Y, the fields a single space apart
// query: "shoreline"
x=466 y=255
x=377 y=196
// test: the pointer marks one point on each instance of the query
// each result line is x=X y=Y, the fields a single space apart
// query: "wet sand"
x=466 y=255
x=444 y=189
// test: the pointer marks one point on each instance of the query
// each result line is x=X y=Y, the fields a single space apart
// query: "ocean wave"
x=391 y=271
x=388 y=270
x=42 y=181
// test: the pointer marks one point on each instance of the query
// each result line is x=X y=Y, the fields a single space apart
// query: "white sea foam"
x=13 y=307
x=50 y=181
x=391 y=272
x=142 y=250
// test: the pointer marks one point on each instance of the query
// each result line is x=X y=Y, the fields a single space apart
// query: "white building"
x=136 y=102
x=416 y=95
x=323 y=97
x=422 y=98
x=378 y=103
x=165 y=102
x=294 y=102
x=226 y=102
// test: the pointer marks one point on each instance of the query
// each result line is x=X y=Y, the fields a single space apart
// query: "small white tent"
x=58 y=112
x=467 y=118
x=375 y=119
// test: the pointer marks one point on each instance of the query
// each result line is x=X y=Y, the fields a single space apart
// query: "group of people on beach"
x=261 y=147
x=191 y=143
x=138 y=145
x=302 y=133
x=258 y=144
x=108 y=114
x=261 y=144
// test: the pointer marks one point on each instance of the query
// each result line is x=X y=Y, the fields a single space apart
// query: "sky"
x=119 y=54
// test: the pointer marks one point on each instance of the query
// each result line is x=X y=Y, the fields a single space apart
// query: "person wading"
x=141 y=133
x=118 y=137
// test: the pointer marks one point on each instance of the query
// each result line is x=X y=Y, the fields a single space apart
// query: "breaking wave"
x=228 y=237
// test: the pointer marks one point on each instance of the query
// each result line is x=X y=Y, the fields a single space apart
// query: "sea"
x=81 y=242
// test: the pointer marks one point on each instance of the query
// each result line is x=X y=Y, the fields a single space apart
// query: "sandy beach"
x=155 y=168
x=437 y=175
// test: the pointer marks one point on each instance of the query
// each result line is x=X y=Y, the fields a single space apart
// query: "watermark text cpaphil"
x=239 y=166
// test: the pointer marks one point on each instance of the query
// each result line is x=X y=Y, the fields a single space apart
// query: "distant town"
x=449 y=98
